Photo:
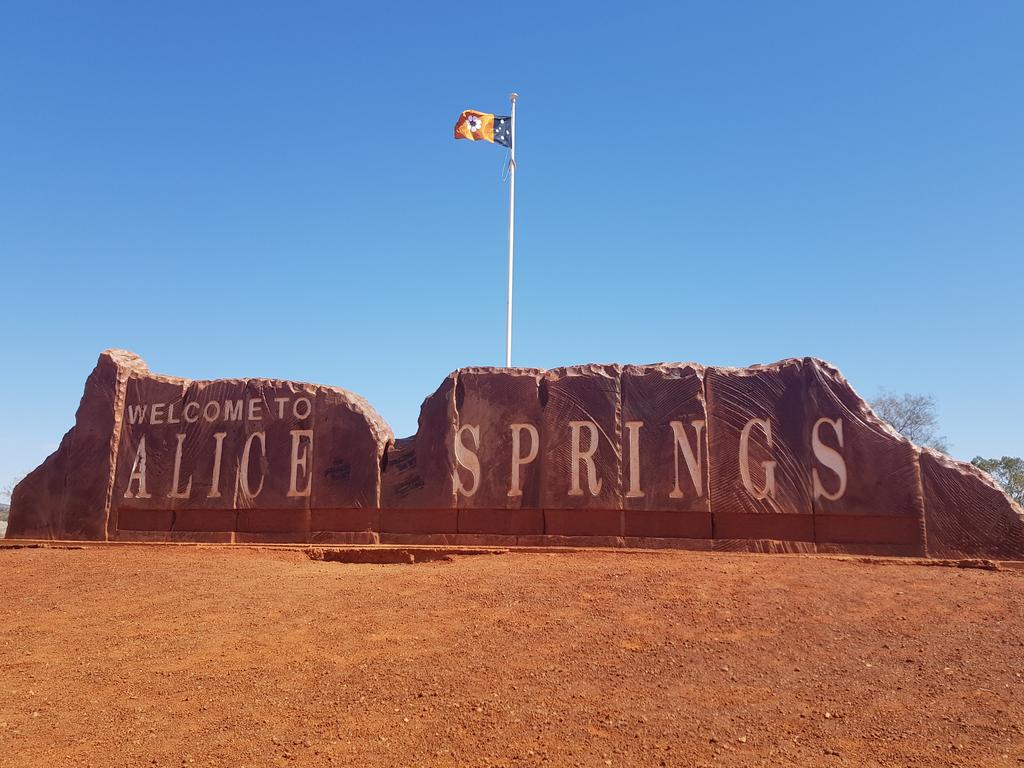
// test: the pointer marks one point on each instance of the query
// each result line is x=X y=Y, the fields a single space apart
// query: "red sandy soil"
x=181 y=656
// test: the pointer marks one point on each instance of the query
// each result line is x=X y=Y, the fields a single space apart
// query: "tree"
x=1008 y=472
x=913 y=416
x=7 y=490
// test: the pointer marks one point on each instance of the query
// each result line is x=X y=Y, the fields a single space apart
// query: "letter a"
x=138 y=473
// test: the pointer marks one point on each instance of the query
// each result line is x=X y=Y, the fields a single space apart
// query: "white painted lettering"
x=693 y=460
x=243 y=469
x=578 y=456
x=232 y=410
x=301 y=461
x=138 y=474
x=306 y=408
x=218 y=450
x=768 y=466
x=519 y=460
x=830 y=457
x=633 y=428
x=175 y=493
x=211 y=412
x=467 y=459
x=137 y=414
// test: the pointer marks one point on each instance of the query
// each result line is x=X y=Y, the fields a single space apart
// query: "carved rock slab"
x=967 y=515
x=784 y=457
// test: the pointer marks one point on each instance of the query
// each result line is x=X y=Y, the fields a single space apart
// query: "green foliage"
x=1007 y=471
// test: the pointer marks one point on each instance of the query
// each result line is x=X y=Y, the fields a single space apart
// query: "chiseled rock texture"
x=784 y=457
x=968 y=514
x=68 y=495
x=85 y=489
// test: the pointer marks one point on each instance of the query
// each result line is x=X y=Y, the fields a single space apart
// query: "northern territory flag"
x=474 y=126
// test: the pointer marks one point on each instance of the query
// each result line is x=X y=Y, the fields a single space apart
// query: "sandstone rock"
x=417 y=487
x=499 y=416
x=872 y=494
x=581 y=460
x=966 y=513
x=666 y=490
x=759 y=452
x=180 y=446
x=772 y=458
x=68 y=495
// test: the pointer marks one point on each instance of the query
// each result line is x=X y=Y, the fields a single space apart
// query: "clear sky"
x=272 y=189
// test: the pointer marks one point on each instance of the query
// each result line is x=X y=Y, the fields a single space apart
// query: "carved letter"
x=467 y=459
x=138 y=473
x=175 y=493
x=232 y=410
x=307 y=408
x=243 y=469
x=255 y=410
x=218 y=449
x=195 y=413
x=593 y=481
x=769 y=466
x=211 y=417
x=170 y=414
x=830 y=457
x=633 y=427
x=519 y=461
x=297 y=461
x=137 y=414
x=156 y=413
x=693 y=461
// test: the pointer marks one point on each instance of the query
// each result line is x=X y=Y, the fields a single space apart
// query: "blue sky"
x=272 y=189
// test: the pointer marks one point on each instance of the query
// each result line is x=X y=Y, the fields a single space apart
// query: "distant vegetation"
x=913 y=416
x=1007 y=471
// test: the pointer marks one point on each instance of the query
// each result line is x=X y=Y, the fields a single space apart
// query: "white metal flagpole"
x=511 y=229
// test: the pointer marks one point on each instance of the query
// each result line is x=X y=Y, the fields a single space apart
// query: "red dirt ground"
x=180 y=656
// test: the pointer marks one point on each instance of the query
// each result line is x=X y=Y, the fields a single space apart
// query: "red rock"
x=873 y=494
x=68 y=495
x=967 y=514
x=665 y=483
x=417 y=473
x=759 y=452
x=669 y=454
x=496 y=410
x=581 y=419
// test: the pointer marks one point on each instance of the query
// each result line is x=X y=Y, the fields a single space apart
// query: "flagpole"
x=511 y=229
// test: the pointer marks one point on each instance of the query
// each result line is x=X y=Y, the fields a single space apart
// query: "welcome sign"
x=776 y=457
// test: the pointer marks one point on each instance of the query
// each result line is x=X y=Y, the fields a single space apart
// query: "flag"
x=474 y=125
